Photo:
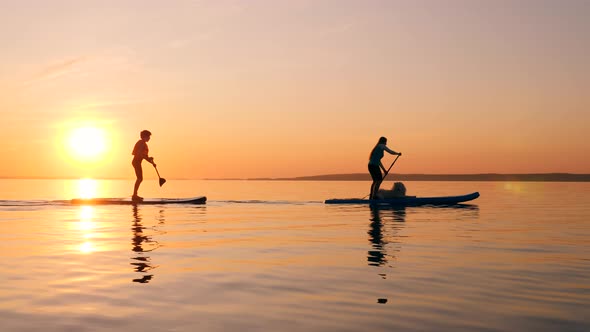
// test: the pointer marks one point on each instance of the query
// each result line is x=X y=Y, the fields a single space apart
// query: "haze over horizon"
x=538 y=177
x=247 y=89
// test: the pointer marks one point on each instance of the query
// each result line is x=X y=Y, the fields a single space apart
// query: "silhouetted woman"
x=375 y=165
x=140 y=152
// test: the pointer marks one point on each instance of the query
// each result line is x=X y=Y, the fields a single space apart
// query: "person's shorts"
x=375 y=171
x=138 y=169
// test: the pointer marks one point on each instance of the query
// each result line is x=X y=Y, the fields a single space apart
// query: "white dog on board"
x=398 y=190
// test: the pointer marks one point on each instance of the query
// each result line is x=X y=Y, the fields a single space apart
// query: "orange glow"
x=87 y=188
x=225 y=98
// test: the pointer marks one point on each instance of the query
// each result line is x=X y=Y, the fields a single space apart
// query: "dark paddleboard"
x=409 y=200
x=128 y=201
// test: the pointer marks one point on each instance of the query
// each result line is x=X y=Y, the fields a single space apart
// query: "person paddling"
x=375 y=165
x=140 y=152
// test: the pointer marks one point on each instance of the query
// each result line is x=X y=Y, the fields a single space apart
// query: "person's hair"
x=145 y=133
x=382 y=140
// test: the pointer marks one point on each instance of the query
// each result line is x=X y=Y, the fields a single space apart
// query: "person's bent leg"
x=376 y=189
x=136 y=186
x=377 y=177
x=139 y=179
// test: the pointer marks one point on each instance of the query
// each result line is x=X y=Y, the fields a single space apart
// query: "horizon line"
x=551 y=176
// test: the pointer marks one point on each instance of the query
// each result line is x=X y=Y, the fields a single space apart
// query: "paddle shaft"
x=389 y=168
x=157 y=171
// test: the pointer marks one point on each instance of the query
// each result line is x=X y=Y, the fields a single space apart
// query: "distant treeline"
x=540 y=177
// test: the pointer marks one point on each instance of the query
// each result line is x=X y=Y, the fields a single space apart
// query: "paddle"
x=160 y=179
x=390 y=167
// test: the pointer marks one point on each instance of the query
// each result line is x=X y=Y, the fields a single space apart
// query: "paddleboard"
x=128 y=201
x=409 y=200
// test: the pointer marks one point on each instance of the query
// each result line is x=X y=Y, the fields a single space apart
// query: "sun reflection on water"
x=86 y=226
x=87 y=247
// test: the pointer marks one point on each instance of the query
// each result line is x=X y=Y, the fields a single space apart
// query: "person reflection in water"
x=141 y=262
x=377 y=256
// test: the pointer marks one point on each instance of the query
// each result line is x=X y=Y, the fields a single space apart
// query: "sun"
x=87 y=143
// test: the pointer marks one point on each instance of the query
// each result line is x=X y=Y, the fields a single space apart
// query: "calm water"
x=269 y=256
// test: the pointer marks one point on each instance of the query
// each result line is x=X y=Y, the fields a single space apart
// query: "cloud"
x=110 y=103
x=115 y=60
x=57 y=70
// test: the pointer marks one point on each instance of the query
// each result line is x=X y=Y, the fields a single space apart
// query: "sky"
x=242 y=89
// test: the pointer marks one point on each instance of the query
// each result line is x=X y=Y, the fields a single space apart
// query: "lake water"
x=270 y=256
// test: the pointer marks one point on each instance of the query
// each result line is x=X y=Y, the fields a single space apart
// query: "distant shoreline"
x=536 y=177
x=533 y=177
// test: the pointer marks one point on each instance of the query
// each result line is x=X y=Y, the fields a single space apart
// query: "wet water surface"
x=270 y=256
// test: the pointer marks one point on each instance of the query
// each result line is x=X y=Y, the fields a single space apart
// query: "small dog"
x=398 y=190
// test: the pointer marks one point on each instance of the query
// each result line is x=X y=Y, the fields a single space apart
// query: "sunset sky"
x=294 y=88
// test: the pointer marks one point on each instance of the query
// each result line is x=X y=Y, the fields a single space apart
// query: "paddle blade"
x=162 y=181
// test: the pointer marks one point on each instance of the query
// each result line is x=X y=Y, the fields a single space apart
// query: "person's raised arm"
x=391 y=151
